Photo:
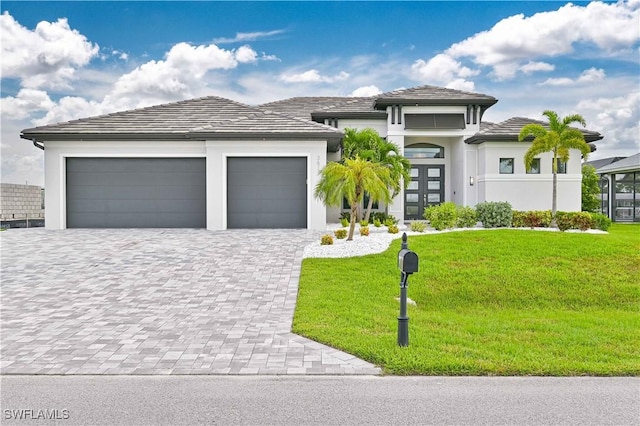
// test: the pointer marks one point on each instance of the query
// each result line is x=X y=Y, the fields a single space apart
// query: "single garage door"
x=136 y=193
x=267 y=192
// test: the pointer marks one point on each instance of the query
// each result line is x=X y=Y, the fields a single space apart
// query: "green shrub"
x=531 y=219
x=428 y=212
x=418 y=226
x=495 y=214
x=393 y=229
x=344 y=222
x=442 y=216
x=364 y=223
x=380 y=216
x=364 y=231
x=517 y=219
x=340 y=233
x=467 y=217
x=600 y=221
x=389 y=222
x=377 y=223
x=326 y=240
x=538 y=218
x=573 y=220
x=345 y=215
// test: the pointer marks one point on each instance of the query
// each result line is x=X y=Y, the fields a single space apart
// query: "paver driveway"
x=124 y=301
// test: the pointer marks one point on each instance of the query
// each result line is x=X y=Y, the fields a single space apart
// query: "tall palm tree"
x=350 y=180
x=369 y=145
x=558 y=139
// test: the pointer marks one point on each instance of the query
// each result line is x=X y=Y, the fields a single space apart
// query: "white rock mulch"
x=379 y=240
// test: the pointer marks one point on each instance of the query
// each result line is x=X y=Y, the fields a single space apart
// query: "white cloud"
x=180 y=75
x=252 y=36
x=25 y=103
x=532 y=66
x=265 y=57
x=366 y=91
x=313 y=76
x=442 y=69
x=612 y=27
x=587 y=76
x=461 y=84
x=616 y=118
x=71 y=108
x=245 y=54
x=46 y=57
x=592 y=74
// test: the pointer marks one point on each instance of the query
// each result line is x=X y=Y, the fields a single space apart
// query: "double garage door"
x=171 y=193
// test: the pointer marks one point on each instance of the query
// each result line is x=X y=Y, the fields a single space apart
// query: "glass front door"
x=425 y=189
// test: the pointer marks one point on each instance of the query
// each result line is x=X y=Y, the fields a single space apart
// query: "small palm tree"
x=558 y=139
x=369 y=145
x=350 y=180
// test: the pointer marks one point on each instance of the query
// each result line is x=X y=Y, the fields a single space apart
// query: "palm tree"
x=388 y=155
x=369 y=145
x=558 y=139
x=350 y=180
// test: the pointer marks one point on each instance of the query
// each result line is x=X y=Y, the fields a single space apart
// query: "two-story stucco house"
x=216 y=163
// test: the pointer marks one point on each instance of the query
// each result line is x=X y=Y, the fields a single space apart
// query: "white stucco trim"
x=57 y=152
x=218 y=152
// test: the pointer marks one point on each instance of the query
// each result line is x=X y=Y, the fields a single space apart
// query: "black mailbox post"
x=408 y=264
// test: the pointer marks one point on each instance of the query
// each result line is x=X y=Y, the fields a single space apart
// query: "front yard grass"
x=498 y=302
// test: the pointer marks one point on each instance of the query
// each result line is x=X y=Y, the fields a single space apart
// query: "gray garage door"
x=267 y=192
x=136 y=193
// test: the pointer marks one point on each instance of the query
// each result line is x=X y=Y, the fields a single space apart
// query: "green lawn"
x=498 y=302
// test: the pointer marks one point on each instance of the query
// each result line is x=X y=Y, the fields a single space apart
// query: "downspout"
x=37 y=145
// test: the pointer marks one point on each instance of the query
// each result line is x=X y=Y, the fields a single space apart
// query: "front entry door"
x=425 y=189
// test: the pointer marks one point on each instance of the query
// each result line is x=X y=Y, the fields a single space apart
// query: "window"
x=506 y=166
x=535 y=167
x=562 y=166
x=423 y=150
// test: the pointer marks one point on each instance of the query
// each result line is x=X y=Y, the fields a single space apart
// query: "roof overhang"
x=321 y=115
x=333 y=138
x=383 y=103
x=481 y=138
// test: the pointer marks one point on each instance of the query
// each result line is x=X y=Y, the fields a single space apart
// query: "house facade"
x=217 y=164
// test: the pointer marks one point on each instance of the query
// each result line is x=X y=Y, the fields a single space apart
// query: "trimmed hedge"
x=600 y=221
x=531 y=219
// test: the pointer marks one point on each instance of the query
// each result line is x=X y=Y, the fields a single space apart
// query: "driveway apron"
x=157 y=301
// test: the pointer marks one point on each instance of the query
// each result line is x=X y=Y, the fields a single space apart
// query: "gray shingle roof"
x=211 y=115
x=509 y=130
x=432 y=95
x=631 y=163
x=320 y=107
x=596 y=164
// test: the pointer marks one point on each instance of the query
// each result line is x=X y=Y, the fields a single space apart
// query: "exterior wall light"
x=471 y=180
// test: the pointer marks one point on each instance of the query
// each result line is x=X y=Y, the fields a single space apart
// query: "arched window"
x=423 y=150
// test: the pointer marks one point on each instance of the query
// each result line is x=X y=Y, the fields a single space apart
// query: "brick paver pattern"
x=157 y=301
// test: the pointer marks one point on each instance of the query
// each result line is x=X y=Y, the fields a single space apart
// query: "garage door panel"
x=267 y=192
x=136 y=192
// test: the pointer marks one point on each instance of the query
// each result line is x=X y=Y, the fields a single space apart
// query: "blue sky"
x=66 y=60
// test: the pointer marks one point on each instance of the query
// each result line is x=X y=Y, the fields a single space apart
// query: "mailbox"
x=407 y=261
